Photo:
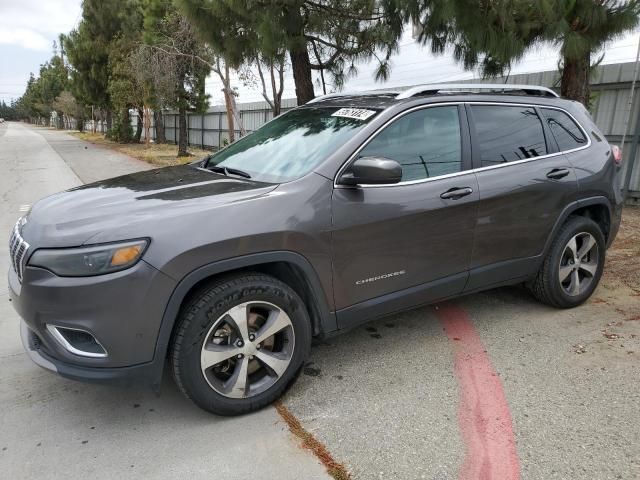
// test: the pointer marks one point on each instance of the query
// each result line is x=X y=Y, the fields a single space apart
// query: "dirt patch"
x=334 y=469
x=623 y=258
x=161 y=155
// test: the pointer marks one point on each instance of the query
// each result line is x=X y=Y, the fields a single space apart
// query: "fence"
x=210 y=130
x=611 y=86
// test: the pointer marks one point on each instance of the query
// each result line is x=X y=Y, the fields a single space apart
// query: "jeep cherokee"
x=345 y=209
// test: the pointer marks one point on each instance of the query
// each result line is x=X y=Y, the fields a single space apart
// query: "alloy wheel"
x=578 y=264
x=247 y=349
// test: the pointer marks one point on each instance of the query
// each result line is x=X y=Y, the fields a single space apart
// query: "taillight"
x=617 y=154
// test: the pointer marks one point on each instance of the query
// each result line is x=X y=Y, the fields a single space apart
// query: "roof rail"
x=324 y=97
x=354 y=94
x=496 y=87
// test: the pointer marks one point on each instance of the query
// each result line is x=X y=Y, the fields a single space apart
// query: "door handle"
x=558 y=173
x=455 y=193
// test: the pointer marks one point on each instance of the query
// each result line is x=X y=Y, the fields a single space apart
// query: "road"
x=492 y=386
x=55 y=428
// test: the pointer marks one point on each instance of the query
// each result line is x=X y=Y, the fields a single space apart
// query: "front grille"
x=18 y=249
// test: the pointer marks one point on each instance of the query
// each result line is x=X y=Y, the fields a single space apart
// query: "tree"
x=88 y=48
x=493 y=35
x=583 y=29
x=185 y=59
x=125 y=89
x=8 y=112
x=37 y=102
x=70 y=108
x=342 y=32
x=274 y=68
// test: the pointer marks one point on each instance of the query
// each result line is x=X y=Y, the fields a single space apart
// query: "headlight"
x=88 y=261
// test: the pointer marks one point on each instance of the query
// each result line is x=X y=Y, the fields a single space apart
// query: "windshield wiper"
x=227 y=170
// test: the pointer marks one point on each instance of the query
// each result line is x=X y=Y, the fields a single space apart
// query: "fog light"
x=78 y=342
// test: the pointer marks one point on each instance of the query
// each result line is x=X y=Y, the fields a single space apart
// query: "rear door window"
x=507 y=133
x=427 y=143
x=565 y=130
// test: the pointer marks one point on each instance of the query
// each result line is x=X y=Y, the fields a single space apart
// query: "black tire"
x=546 y=286
x=198 y=317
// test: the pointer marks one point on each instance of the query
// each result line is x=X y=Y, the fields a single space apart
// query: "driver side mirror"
x=371 y=171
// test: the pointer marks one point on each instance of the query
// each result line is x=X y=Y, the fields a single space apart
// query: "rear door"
x=525 y=183
x=395 y=246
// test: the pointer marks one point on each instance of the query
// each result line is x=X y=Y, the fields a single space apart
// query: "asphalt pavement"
x=52 y=428
x=441 y=392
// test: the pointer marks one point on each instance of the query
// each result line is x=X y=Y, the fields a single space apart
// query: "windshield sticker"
x=357 y=113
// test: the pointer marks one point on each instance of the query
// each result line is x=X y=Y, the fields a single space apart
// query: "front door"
x=396 y=246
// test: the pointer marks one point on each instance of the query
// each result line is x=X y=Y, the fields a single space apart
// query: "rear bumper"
x=616 y=218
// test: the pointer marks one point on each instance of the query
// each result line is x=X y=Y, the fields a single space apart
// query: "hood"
x=123 y=207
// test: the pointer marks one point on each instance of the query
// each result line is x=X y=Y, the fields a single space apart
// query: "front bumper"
x=122 y=310
x=145 y=373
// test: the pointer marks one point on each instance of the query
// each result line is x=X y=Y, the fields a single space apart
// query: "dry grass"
x=334 y=469
x=161 y=155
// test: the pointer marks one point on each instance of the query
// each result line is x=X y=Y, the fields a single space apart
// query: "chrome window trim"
x=55 y=333
x=463 y=172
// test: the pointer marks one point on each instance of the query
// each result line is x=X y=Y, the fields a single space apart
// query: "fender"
x=568 y=210
x=328 y=321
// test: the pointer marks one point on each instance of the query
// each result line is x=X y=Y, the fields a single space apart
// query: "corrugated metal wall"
x=210 y=129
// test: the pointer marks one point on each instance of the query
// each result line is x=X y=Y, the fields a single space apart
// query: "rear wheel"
x=573 y=266
x=240 y=343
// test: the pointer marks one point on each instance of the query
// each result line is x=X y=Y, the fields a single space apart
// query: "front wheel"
x=240 y=343
x=573 y=266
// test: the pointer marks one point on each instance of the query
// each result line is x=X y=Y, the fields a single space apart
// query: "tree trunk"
x=301 y=66
x=575 y=79
x=124 y=135
x=139 y=124
x=158 y=119
x=182 y=138
x=231 y=128
x=108 y=122
x=230 y=124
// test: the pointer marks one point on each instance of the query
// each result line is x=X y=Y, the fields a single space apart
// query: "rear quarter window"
x=567 y=133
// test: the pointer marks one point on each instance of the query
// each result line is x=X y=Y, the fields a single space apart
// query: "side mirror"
x=372 y=171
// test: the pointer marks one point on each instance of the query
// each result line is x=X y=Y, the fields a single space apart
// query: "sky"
x=29 y=27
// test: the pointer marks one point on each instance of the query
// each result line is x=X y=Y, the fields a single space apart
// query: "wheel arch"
x=597 y=209
x=289 y=267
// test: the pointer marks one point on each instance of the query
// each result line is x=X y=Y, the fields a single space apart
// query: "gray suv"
x=346 y=209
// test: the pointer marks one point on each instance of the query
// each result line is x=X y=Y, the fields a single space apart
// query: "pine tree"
x=88 y=48
x=492 y=35
x=335 y=33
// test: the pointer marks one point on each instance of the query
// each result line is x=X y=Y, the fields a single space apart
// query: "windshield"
x=291 y=145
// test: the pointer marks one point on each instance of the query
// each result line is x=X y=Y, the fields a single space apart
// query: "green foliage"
x=493 y=34
x=336 y=34
x=41 y=92
x=174 y=52
x=121 y=130
x=97 y=51
x=8 y=112
x=173 y=64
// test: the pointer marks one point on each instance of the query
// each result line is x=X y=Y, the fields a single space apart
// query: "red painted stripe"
x=483 y=414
